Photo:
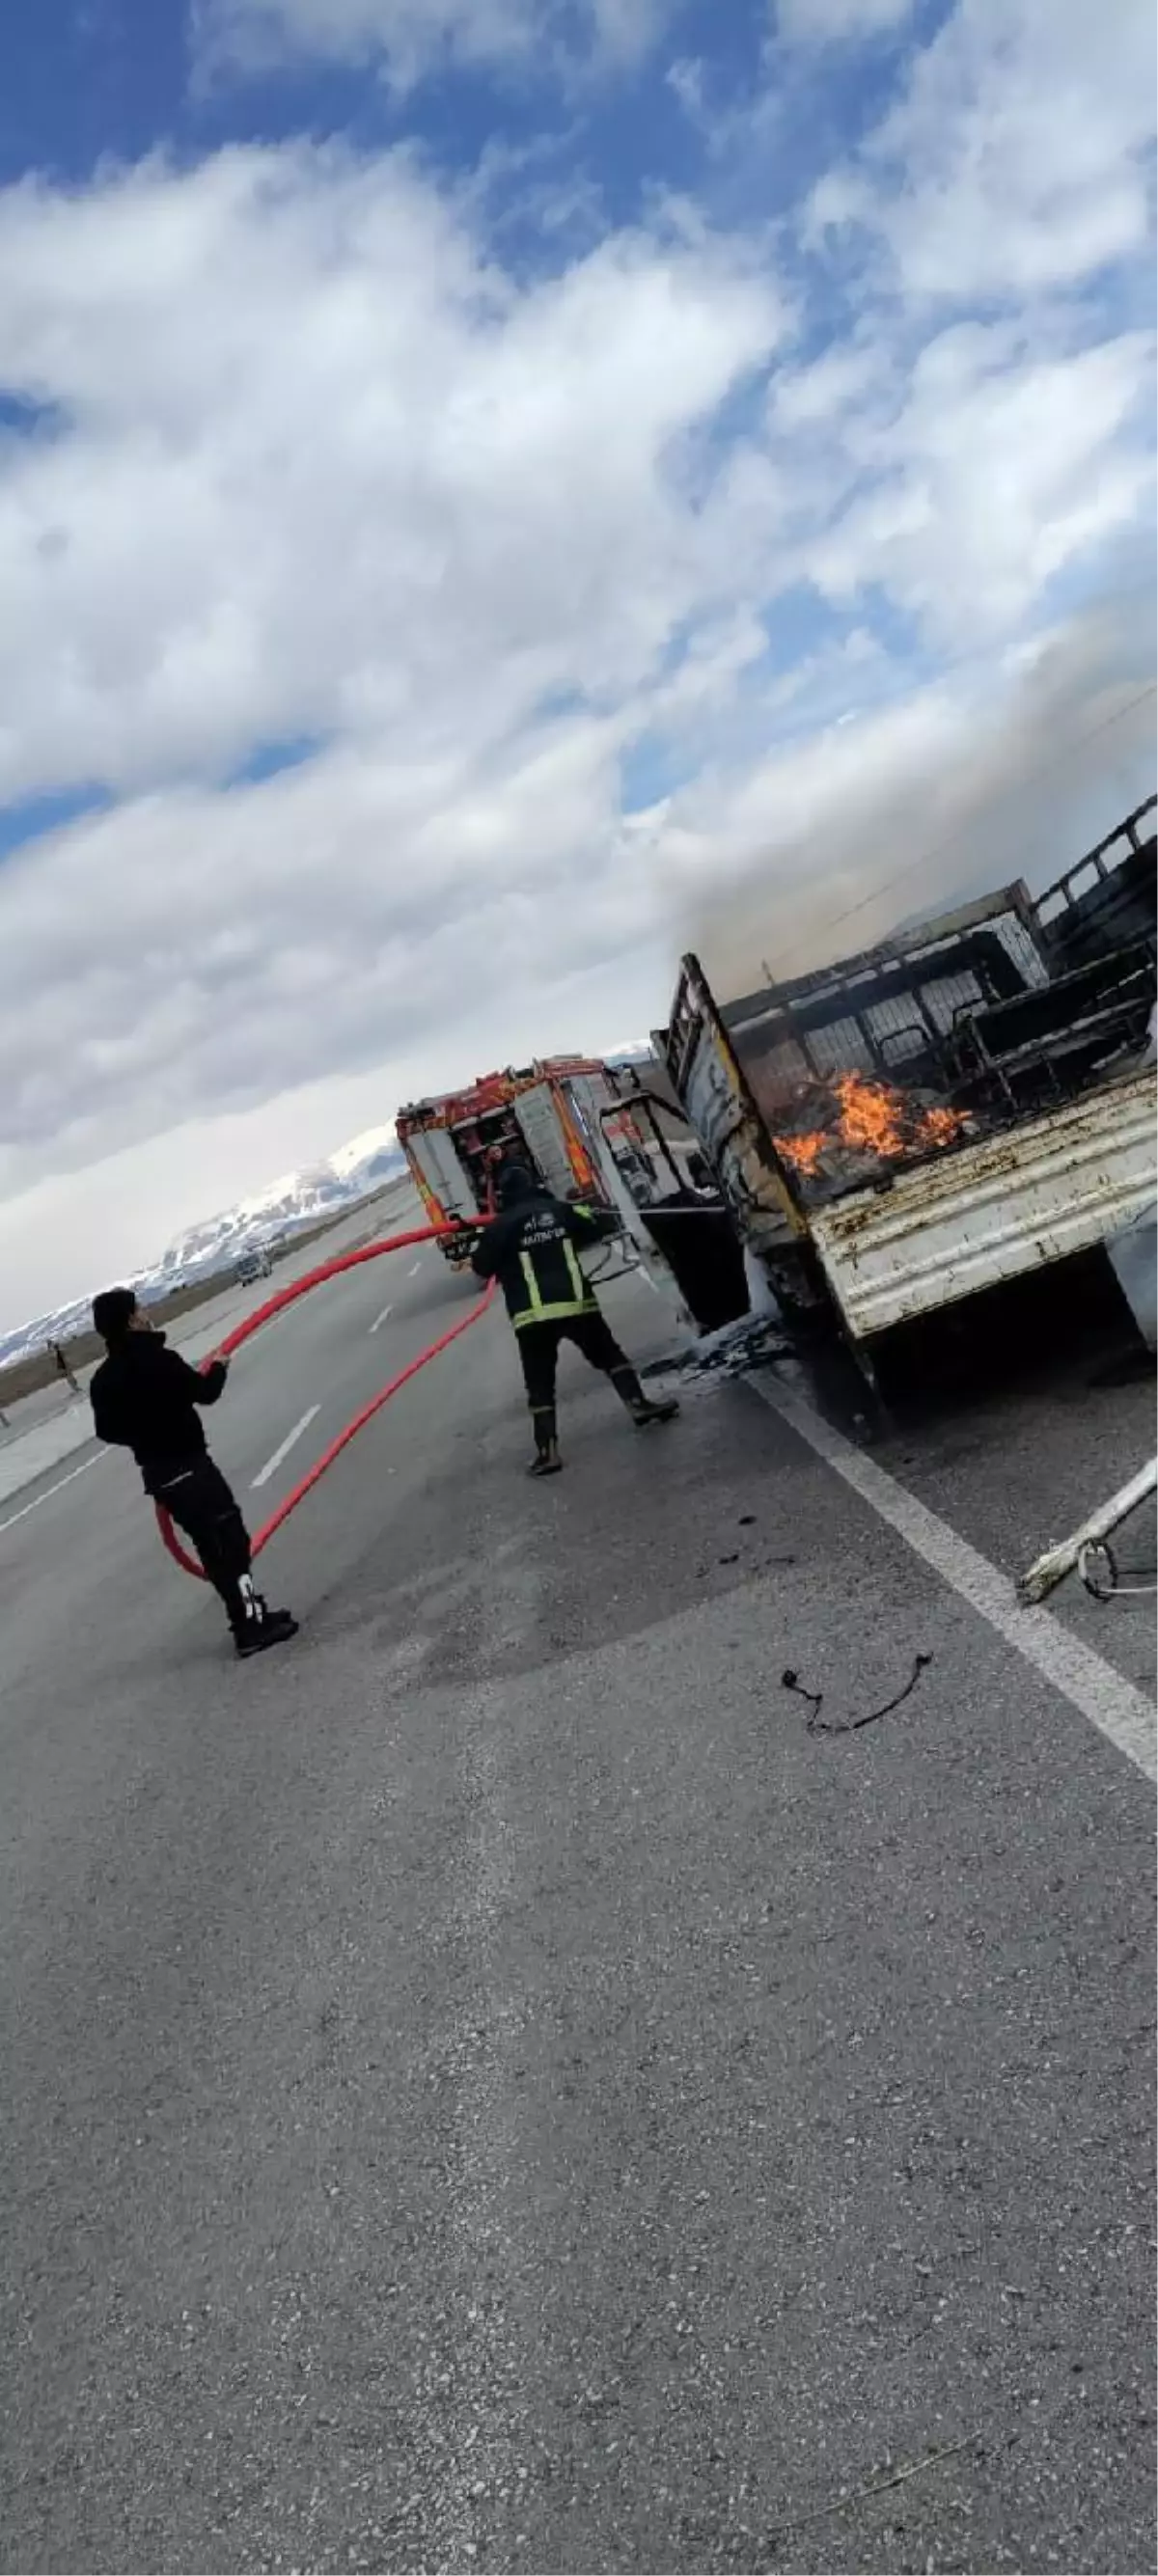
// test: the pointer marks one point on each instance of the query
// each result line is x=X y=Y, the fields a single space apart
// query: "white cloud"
x=316 y=467
x=1016 y=157
x=324 y=469
x=812 y=396
x=997 y=471
x=837 y=22
x=409 y=39
x=196 y=951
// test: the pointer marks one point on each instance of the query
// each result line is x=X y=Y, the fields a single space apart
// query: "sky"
x=493 y=492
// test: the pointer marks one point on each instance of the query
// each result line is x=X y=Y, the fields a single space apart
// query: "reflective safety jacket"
x=531 y=1250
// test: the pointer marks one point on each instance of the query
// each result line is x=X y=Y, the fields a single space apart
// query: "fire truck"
x=609 y=1133
x=545 y=1115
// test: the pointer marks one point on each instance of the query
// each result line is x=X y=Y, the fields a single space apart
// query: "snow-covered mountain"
x=298 y=1200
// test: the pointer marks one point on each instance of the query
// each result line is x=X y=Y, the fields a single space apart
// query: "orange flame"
x=872 y=1118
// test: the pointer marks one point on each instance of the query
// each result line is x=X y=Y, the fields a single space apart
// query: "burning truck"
x=968 y=1101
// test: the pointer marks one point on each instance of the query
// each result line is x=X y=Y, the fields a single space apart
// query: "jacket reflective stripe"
x=540 y=1310
x=534 y=1292
x=556 y=1313
x=575 y=1274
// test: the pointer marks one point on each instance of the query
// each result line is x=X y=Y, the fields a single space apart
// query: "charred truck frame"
x=966 y=1102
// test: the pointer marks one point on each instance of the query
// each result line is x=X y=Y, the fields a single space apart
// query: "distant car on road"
x=254 y=1265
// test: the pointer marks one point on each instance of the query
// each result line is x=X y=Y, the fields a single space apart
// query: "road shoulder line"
x=50 y=1490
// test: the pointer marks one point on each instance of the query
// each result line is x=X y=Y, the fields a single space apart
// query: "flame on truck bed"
x=852 y=1117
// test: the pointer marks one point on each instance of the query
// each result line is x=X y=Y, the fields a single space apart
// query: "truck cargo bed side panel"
x=1010 y=1203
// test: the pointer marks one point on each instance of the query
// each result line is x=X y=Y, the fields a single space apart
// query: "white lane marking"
x=272 y=1464
x=1090 y=1684
x=414 y=1269
x=380 y=1319
x=50 y=1490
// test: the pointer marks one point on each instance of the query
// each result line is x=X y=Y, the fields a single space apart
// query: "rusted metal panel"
x=989 y=1211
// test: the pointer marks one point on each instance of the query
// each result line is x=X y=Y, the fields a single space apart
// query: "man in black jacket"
x=531 y=1249
x=146 y=1398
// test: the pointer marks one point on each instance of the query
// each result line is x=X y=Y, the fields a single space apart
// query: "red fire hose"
x=275 y=1305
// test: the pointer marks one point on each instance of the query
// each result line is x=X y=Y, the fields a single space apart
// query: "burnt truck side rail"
x=990 y=1210
x=1098 y=858
x=1108 y=897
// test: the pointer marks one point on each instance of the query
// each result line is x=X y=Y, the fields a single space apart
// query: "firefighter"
x=531 y=1250
x=145 y=1397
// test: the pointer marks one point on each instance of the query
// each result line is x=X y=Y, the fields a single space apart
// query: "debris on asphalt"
x=729 y=1352
x=817 y=1725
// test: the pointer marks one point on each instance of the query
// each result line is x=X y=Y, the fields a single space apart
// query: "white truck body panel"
x=587 y=1094
x=1009 y=1203
x=538 y=1120
x=434 y=1153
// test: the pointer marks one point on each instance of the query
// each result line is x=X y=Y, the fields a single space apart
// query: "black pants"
x=206 y=1509
x=539 y=1353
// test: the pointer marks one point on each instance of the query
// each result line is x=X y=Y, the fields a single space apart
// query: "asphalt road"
x=487 y=2087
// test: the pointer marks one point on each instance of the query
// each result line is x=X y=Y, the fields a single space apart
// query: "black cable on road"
x=818 y=1725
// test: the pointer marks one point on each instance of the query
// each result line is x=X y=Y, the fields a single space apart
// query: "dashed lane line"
x=282 y=1451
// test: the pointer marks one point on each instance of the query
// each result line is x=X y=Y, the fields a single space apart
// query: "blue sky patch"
x=31 y=818
x=268 y=759
x=22 y=416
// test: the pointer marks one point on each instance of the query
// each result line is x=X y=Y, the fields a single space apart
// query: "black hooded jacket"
x=145 y=1397
x=531 y=1250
